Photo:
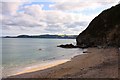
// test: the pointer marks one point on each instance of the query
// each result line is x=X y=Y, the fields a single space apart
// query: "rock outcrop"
x=103 y=30
x=67 y=46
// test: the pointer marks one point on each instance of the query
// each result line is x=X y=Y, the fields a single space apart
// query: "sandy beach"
x=41 y=67
x=95 y=63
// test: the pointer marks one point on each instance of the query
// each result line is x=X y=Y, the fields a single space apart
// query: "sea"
x=19 y=54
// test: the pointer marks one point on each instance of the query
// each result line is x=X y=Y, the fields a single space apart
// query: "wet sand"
x=41 y=67
x=95 y=63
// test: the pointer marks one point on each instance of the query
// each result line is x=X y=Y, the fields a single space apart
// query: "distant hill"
x=103 y=30
x=44 y=36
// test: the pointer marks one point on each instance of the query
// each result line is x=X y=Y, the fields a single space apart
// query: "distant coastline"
x=44 y=36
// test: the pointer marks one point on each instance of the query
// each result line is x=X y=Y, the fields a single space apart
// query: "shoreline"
x=41 y=67
x=95 y=63
x=38 y=67
x=48 y=63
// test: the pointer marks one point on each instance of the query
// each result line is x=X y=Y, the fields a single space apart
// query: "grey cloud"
x=35 y=20
x=76 y=24
x=67 y=5
x=10 y=8
x=54 y=28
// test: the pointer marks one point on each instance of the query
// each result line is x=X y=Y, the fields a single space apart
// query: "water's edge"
x=23 y=55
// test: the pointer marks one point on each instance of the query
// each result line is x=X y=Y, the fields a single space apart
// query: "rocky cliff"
x=103 y=30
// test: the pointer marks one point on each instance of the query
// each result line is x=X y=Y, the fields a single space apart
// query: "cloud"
x=38 y=20
x=81 y=5
x=10 y=8
x=76 y=24
x=34 y=10
x=63 y=18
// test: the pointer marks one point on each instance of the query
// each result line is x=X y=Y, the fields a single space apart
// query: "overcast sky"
x=35 y=17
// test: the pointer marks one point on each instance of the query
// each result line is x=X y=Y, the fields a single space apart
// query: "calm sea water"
x=19 y=53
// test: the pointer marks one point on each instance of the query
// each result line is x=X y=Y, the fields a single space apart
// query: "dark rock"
x=103 y=30
x=39 y=49
x=85 y=52
x=68 y=46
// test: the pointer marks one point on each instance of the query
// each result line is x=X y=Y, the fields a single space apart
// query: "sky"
x=37 y=17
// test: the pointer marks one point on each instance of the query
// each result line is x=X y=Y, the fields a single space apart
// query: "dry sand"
x=96 y=63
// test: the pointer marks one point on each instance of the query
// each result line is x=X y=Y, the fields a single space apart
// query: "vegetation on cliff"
x=103 y=30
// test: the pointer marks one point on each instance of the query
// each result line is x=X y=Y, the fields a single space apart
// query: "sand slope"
x=96 y=63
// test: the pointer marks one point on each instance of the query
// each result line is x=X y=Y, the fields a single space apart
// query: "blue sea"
x=21 y=53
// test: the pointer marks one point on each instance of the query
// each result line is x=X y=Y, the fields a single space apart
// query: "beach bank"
x=96 y=63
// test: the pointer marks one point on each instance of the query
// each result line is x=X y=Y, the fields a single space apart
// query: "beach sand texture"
x=95 y=63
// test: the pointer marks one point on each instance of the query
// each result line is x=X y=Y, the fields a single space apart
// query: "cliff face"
x=103 y=30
